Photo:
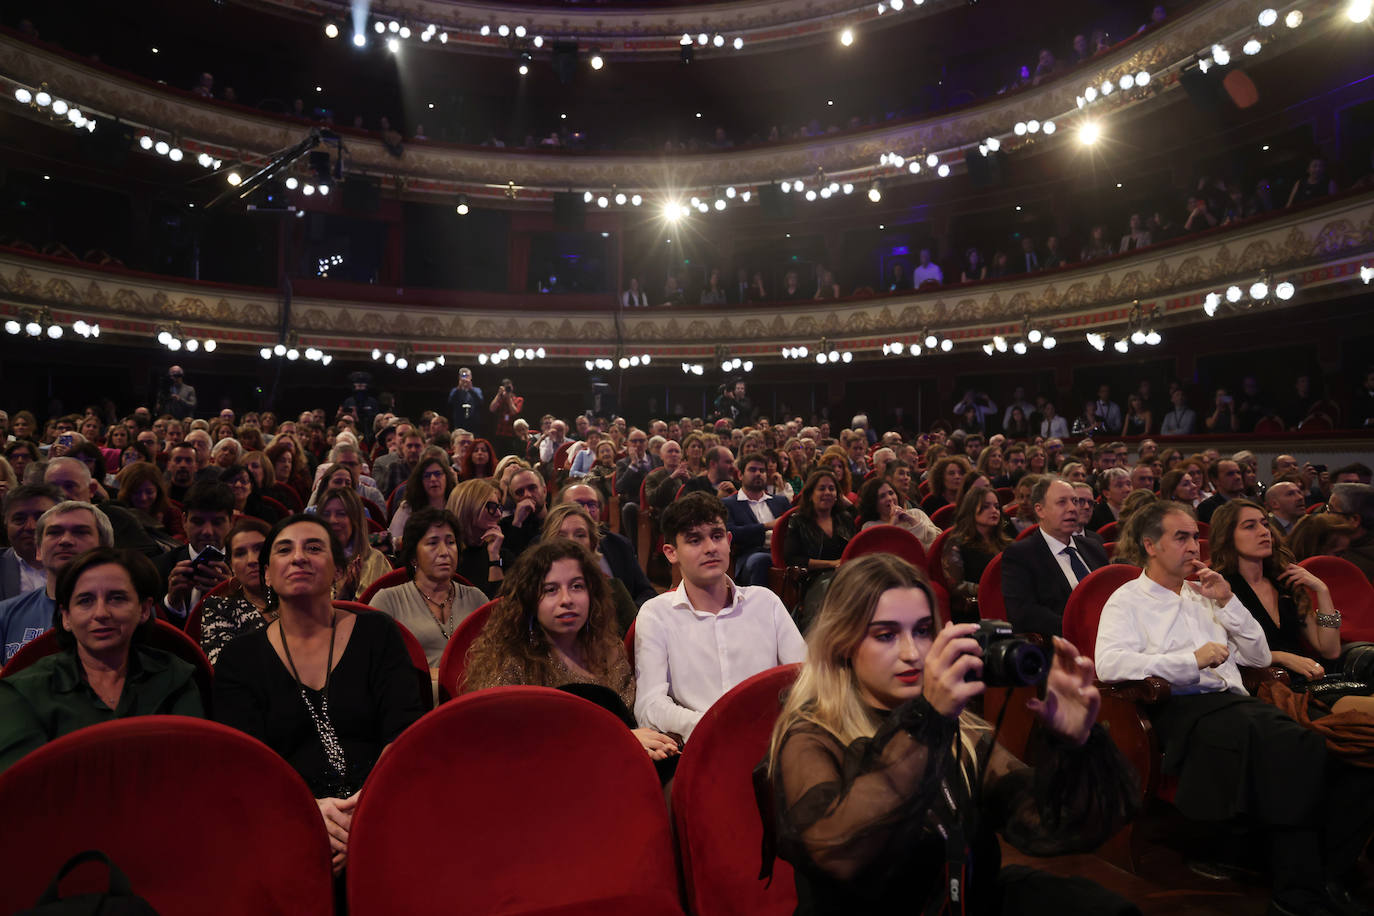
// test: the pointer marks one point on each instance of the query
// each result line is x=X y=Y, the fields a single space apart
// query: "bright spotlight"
x=1252 y=47
x=175 y=154
x=847 y=37
x=359 y=39
x=265 y=353
x=896 y=5
x=999 y=343
x=379 y=27
x=730 y=192
x=308 y=190
x=1211 y=304
x=1233 y=294
x=987 y=348
x=1121 y=345
x=279 y=349
x=59 y=107
x=932 y=161
x=405 y=32
x=1090 y=94
x=1220 y=55
x=720 y=203
x=211 y=345
x=875 y=194
x=702 y=38
x=503 y=30
x=847 y=356
x=1138 y=337
x=1033 y=335
x=162 y=147
x=597 y=62
x=1019 y=129
x=1358 y=10
x=524 y=70
x=519 y=31
x=1259 y=290
x=23 y=96
x=1292 y=20
x=1019 y=348
x=913 y=167
x=833 y=356
x=146 y=142
x=393 y=45
x=1096 y=341
x=946 y=345
x=42 y=99
x=1048 y=343
x=603 y=202
x=993 y=145
x=785 y=187
x=718 y=41
x=1089 y=133
x=1126 y=82
x=54 y=331
x=1268 y=17
x=811 y=194
x=192 y=345
x=943 y=170
x=163 y=337
x=1049 y=127
x=1285 y=290
x=738 y=43
x=538 y=40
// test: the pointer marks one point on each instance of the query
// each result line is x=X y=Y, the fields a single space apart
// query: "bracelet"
x=1331 y=621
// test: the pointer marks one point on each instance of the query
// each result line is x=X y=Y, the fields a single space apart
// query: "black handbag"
x=116 y=900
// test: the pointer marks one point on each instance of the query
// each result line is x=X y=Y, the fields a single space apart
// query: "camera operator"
x=176 y=397
x=361 y=403
x=877 y=770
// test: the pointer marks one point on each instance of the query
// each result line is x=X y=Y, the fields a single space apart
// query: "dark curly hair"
x=513 y=635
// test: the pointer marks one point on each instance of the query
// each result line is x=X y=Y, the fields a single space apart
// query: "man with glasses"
x=618 y=558
x=1040 y=570
x=466 y=406
x=630 y=472
x=1355 y=501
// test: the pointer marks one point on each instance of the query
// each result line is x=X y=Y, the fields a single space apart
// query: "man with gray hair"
x=1355 y=501
x=1040 y=570
x=65 y=531
x=1115 y=484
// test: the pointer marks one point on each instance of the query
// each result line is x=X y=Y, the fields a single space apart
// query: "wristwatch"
x=497 y=563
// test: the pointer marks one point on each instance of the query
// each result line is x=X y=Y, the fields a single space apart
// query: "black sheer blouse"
x=865 y=825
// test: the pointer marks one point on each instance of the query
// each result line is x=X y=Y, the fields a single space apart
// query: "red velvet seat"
x=886 y=539
x=162 y=636
x=1110 y=548
x=414 y=650
x=1110 y=531
x=375 y=512
x=199 y=816
x=718 y=828
x=935 y=561
x=277 y=506
x=1351 y=593
x=991 y=604
x=453 y=665
x=784 y=580
x=1028 y=532
x=1005 y=495
x=943 y=517
x=513 y=800
x=630 y=645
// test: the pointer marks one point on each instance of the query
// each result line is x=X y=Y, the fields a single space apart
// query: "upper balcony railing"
x=1321 y=249
x=236 y=134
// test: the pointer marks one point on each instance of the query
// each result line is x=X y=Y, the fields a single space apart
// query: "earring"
x=333 y=591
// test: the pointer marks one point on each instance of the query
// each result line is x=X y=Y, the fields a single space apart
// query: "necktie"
x=1080 y=569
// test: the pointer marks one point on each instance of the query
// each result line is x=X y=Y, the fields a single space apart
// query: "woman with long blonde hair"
x=888 y=794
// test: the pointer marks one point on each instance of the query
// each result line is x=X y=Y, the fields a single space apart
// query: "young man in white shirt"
x=1234 y=755
x=701 y=639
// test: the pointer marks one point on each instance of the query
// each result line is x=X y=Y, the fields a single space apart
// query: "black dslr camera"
x=1009 y=660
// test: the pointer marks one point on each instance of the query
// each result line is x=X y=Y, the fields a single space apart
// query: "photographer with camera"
x=193 y=569
x=888 y=794
x=176 y=397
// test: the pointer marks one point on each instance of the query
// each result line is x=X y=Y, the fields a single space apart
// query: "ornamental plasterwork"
x=1078 y=297
x=444 y=169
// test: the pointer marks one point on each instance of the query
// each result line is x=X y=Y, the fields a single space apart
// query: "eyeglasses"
x=431 y=475
x=492 y=508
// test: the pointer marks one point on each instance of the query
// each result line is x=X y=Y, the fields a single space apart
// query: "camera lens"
x=1014 y=662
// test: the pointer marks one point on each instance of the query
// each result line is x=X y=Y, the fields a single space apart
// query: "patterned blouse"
x=226 y=617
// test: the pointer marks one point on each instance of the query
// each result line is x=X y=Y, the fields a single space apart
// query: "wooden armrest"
x=1149 y=690
x=1254 y=677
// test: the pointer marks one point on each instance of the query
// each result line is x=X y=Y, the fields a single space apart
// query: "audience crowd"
x=304 y=556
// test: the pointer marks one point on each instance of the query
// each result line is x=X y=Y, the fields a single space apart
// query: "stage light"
x=943 y=170
x=896 y=5
x=1259 y=290
x=308 y=190
x=279 y=349
x=393 y=26
x=1049 y=127
x=946 y=345
x=539 y=353
x=503 y=30
x=1126 y=82
x=54 y=331
x=1090 y=94
x=1233 y=294
x=1268 y=17
x=538 y=41
x=162 y=147
x=702 y=39
x=993 y=144
x=1096 y=341
x=292 y=183
x=1019 y=129
x=405 y=32
x=359 y=40
x=811 y=195
x=393 y=45
x=1211 y=304
x=23 y=96
x=379 y=27
x=590 y=366
x=205 y=160
x=1285 y=290
x=738 y=43
x=519 y=31
x=826 y=192
x=1138 y=337
x=1034 y=335
x=1358 y=10
x=875 y=193
x=1153 y=338
x=847 y=37
x=597 y=62
x=34 y=329
x=685 y=40
x=163 y=337
x=192 y=345
x=376 y=354
x=1220 y=55
x=175 y=154
x=785 y=187
x=602 y=202
x=720 y=203
x=59 y=107
x=210 y=345
x=987 y=348
x=265 y=353
x=145 y=142
x=484 y=31
x=1121 y=345
x=324 y=190
x=1107 y=88
x=833 y=356
x=1048 y=343
x=1089 y=133
x=42 y=99
x=463 y=209
x=730 y=192
x=1252 y=47
x=524 y=69
x=847 y=357
x=1019 y=348
x=718 y=41
x=390 y=359
x=999 y=343
x=402 y=363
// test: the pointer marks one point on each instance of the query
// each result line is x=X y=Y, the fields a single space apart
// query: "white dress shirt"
x=687 y=659
x=761 y=512
x=1058 y=548
x=1147 y=630
x=196 y=593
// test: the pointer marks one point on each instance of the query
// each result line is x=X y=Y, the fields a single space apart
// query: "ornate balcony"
x=1320 y=249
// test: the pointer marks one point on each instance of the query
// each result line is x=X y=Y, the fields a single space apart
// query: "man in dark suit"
x=616 y=549
x=20 y=569
x=630 y=472
x=1227 y=481
x=751 y=514
x=1116 y=486
x=209 y=508
x=1039 y=571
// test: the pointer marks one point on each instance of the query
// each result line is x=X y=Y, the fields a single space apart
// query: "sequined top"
x=226 y=617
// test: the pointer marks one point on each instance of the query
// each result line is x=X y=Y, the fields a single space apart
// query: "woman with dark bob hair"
x=888 y=792
x=553 y=626
x=104 y=670
x=327 y=689
x=432 y=603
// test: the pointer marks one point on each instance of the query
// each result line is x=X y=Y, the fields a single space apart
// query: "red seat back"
x=393 y=578
x=1005 y=495
x=1084 y=608
x=886 y=539
x=1351 y=593
x=944 y=516
x=140 y=790
x=780 y=538
x=162 y=636
x=1203 y=529
x=991 y=604
x=1028 y=532
x=630 y=645
x=1268 y=426
x=1110 y=548
x=453 y=666
x=718 y=828
x=460 y=805
x=276 y=505
x=935 y=566
x=1110 y=531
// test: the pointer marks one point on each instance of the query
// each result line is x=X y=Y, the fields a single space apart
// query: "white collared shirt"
x=1148 y=630
x=30 y=577
x=686 y=659
x=761 y=512
x=196 y=593
x=1058 y=548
